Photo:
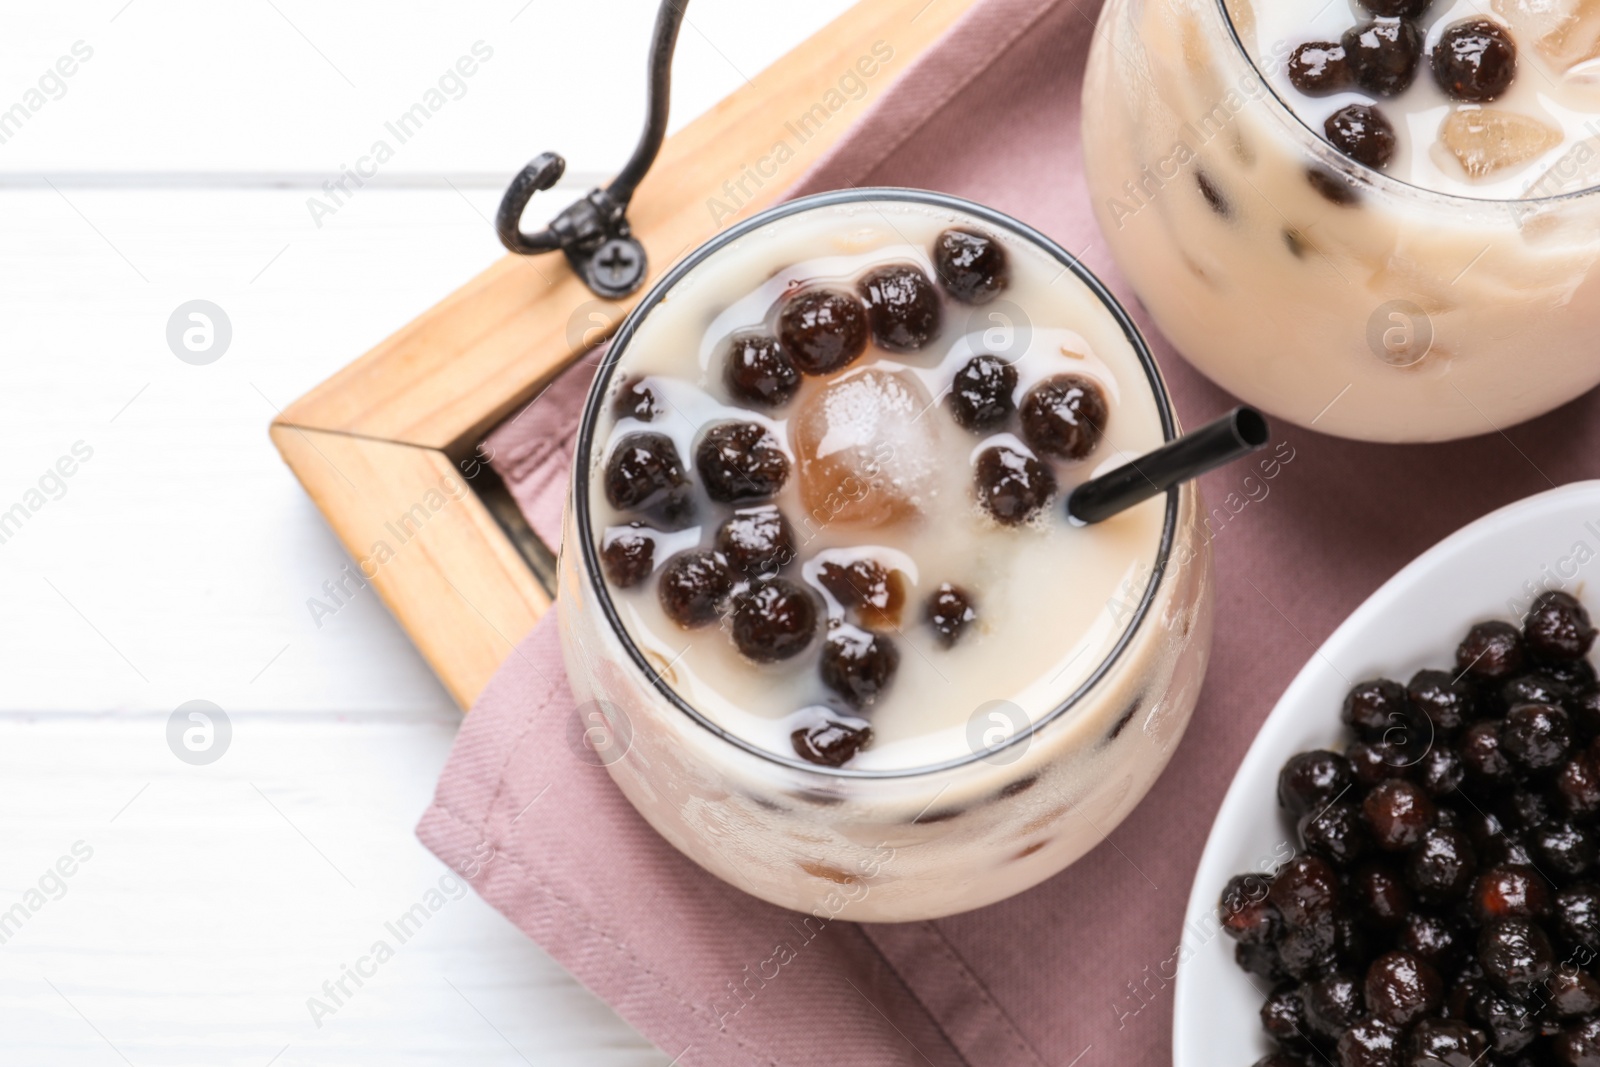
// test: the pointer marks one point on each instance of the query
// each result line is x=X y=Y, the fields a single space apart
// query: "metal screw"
x=618 y=266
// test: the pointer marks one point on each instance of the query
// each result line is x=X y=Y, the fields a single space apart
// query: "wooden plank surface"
x=217 y=900
x=177 y=563
x=467 y=363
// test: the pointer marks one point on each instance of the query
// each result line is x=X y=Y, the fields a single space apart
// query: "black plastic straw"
x=1237 y=434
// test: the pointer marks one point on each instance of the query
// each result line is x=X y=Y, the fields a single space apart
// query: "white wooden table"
x=175 y=162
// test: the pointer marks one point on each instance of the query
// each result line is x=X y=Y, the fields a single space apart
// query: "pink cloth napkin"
x=1076 y=971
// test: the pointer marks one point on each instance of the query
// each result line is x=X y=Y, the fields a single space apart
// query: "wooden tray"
x=371 y=443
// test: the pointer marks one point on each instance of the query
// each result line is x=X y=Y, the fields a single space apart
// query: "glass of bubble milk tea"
x=818 y=589
x=1373 y=217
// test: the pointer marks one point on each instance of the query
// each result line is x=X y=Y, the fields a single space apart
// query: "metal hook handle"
x=536 y=177
x=594 y=232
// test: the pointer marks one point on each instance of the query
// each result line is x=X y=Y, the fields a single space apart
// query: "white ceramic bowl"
x=1413 y=621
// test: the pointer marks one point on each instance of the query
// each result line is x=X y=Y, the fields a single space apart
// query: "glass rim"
x=593 y=406
x=1362 y=174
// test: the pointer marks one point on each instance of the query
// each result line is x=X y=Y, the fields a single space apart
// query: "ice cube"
x=1566 y=32
x=1576 y=168
x=866 y=447
x=1566 y=234
x=1486 y=140
x=1536 y=20
x=1197 y=61
x=1584 y=74
x=1243 y=15
x=1402 y=275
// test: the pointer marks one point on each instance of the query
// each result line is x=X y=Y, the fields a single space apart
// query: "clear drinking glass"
x=891 y=845
x=1326 y=293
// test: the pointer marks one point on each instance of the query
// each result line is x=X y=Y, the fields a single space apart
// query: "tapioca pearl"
x=1574 y=993
x=1318 y=68
x=693 y=586
x=1370 y=1042
x=1491 y=652
x=1213 y=195
x=1332 y=1004
x=638 y=399
x=982 y=393
x=740 y=462
x=1398 y=9
x=858 y=664
x=1514 y=890
x=1483 y=755
x=1124 y=719
x=1361 y=132
x=758 y=371
x=1305 y=890
x=1398 y=813
x=832 y=740
x=645 y=474
x=1012 y=486
x=823 y=330
x=949 y=611
x=873 y=593
x=1444 y=701
x=972 y=267
x=1578 y=1042
x=773 y=621
x=1336 y=833
x=1440 y=771
x=1283 y=1017
x=1402 y=988
x=1442 y=865
x=1575 y=916
x=1375 y=707
x=1535 y=689
x=1439 y=939
x=1310 y=781
x=1577 y=785
x=1381 y=895
x=1516 y=954
x=1065 y=416
x=1018 y=787
x=1558 y=628
x=1331 y=187
x=628 y=555
x=1577 y=674
x=1537 y=737
x=1475 y=60
x=758 y=542
x=1383 y=55
x=1563 y=848
x=903 y=307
